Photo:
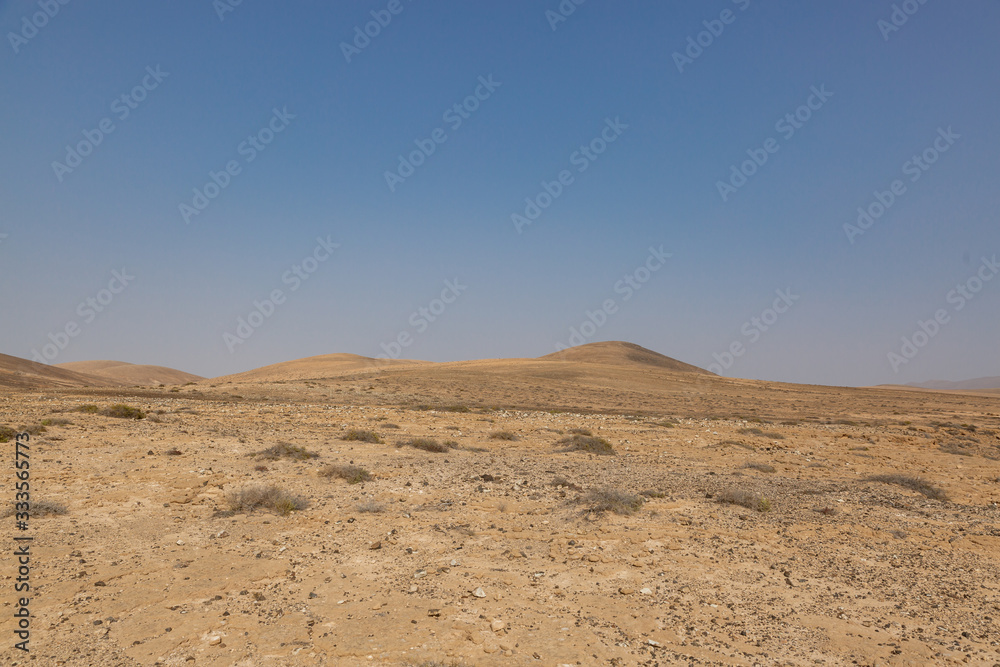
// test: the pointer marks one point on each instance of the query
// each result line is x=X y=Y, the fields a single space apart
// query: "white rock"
x=479 y=593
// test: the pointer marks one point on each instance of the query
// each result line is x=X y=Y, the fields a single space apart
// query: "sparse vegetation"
x=502 y=435
x=122 y=411
x=587 y=443
x=736 y=443
x=579 y=431
x=285 y=450
x=913 y=483
x=38 y=508
x=174 y=452
x=760 y=467
x=613 y=500
x=89 y=409
x=56 y=421
x=390 y=425
x=362 y=436
x=34 y=429
x=744 y=499
x=7 y=434
x=773 y=435
x=652 y=493
x=350 y=473
x=371 y=507
x=428 y=445
x=256 y=496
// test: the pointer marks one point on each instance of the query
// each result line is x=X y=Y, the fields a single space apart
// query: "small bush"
x=428 y=445
x=37 y=508
x=349 y=473
x=763 y=434
x=652 y=493
x=502 y=435
x=285 y=450
x=7 y=434
x=456 y=408
x=256 y=496
x=355 y=435
x=587 y=443
x=612 y=500
x=260 y=468
x=912 y=483
x=390 y=425
x=371 y=507
x=89 y=409
x=745 y=499
x=174 y=452
x=56 y=421
x=122 y=411
x=760 y=467
x=580 y=431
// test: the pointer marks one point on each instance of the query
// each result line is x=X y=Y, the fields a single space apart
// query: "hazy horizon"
x=468 y=182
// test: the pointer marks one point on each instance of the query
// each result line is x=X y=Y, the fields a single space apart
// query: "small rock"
x=646 y=591
x=497 y=625
x=434 y=613
x=626 y=591
x=222 y=533
x=479 y=593
x=180 y=543
x=214 y=640
x=375 y=546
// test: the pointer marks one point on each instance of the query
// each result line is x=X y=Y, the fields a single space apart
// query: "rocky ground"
x=500 y=549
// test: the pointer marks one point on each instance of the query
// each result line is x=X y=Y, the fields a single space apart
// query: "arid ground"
x=604 y=508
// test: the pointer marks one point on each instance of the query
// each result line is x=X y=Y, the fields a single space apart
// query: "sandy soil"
x=495 y=551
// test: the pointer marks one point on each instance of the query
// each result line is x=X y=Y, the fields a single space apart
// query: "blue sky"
x=517 y=290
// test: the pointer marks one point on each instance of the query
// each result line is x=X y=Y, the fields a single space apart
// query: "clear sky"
x=708 y=153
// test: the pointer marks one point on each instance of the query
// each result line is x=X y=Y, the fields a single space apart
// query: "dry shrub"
x=745 y=499
x=122 y=411
x=502 y=435
x=255 y=496
x=428 y=445
x=587 y=443
x=351 y=474
x=613 y=500
x=362 y=436
x=285 y=450
x=37 y=508
x=912 y=483
x=760 y=467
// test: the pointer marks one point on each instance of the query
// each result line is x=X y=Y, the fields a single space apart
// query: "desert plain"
x=605 y=506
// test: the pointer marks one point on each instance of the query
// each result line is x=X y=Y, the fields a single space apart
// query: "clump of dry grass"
x=579 y=431
x=122 y=411
x=587 y=443
x=428 y=445
x=371 y=507
x=912 y=483
x=255 y=496
x=760 y=467
x=37 y=508
x=285 y=450
x=56 y=421
x=613 y=500
x=88 y=409
x=362 y=436
x=349 y=473
x=7 y=434
x=745 y=499
x=502 y=435
x=773 y=435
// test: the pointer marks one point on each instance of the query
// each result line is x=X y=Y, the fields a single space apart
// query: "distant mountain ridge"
x=962 y=385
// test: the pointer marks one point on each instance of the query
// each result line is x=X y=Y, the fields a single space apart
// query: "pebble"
x=646 y=591
x=497 y=625
x=479 y=593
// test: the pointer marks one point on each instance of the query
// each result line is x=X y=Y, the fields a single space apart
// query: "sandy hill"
x=619 y=353
x=313 y=368
x=963 y=385
x=17 y=373
x=120 y=372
